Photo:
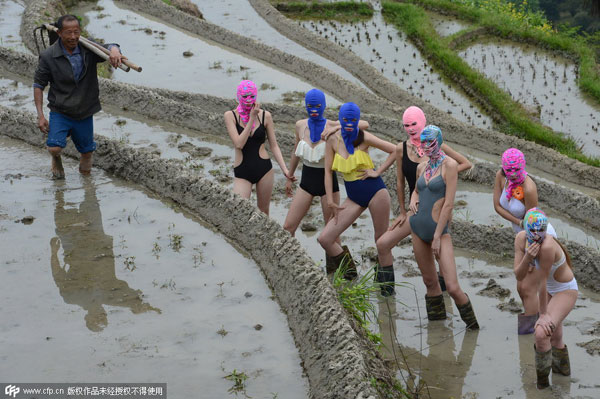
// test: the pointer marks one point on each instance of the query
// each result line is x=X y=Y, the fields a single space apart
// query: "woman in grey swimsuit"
x=544 y=257
x=435 y=191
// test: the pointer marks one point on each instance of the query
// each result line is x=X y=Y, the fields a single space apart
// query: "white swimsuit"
x=554 y=286
x=311 y=156
x=517 y=209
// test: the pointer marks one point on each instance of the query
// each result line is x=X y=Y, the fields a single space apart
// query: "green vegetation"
x=167 y=2
x=342 y=10
x=414 y=22
x=519 y=23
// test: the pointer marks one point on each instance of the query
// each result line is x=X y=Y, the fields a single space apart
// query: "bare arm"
x=294 y=160
x=239 y=140
x=329 y=155
x=400 y=178
x=463 y=162
x=531 y=195
x=385 y=146
x=498 y=191
x=273 y=144
x=450 y=172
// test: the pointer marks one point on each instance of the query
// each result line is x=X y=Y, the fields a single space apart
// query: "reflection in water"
x=87 y=278
x=442 y=373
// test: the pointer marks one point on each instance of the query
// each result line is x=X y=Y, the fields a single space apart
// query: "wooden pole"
x=99 y=50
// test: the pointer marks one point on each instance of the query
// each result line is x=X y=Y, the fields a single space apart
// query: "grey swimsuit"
x=421 y=223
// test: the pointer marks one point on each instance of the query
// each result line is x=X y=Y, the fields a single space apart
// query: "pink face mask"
x=246 y=96
x=414 y=122
x=513 y=165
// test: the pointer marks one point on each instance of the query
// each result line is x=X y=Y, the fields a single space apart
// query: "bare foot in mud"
x=85 y=163
x=58 y=172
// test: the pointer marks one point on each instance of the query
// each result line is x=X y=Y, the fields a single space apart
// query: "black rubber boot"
x=442 y=282
x=467 y=314
x=344 y=259
x=351 y=272
x=330 y=265
x=543 y=364
x=526 y=324
x=384 y=275
x=436 y=309
x=560 y=361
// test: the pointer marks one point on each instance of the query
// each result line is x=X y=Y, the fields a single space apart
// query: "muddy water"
x=240 y=17
x=545 y=83
x=129 y=288
x=11 y=13
x=446 y=26
x=388 y=50
x=492 y=363
x=159 y=49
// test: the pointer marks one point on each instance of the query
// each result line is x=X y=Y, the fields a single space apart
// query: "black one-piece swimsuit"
x=253 y=167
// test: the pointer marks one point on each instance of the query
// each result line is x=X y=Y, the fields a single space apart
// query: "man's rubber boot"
x=436 y=309
x=560 y=361
x=467 y=314
x=526 y=324
x=442 y=282
x=384 y=275
x=543 y=365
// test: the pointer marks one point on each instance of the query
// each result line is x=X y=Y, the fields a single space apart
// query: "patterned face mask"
x=246 y=96
x=315 y=107
x=431 y=141
x=414 y=122
x=513 y=165
x=535 y=224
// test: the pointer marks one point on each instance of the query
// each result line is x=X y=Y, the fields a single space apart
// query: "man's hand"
x=116 y=58
x=43 y=124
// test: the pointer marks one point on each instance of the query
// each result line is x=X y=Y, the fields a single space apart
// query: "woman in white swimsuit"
x=514 y=193
x=544 y=257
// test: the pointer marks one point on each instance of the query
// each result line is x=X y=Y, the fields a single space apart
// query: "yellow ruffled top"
x=350 y=166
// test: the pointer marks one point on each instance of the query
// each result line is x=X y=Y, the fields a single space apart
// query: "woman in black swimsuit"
x=408 y=157
x=248 y=127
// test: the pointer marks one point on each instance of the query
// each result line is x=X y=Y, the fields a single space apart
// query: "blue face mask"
x=315 y=107
x=349 y=116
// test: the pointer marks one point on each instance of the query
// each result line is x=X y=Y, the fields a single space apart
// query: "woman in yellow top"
x=347 y=152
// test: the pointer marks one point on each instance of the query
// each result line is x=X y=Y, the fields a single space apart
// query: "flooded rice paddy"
x=390 y=52
x=240 y=17
x=445 y=25
x=545 y=83
x=11 y=13
x=127 y=287
x=180 y=60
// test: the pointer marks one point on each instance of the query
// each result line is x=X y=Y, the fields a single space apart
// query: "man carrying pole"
x=73 y=96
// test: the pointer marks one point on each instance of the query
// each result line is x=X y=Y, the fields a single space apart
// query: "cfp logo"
x=12 y=390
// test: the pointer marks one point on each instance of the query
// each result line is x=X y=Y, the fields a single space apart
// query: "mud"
x=446 y=26
x=311 y=72
x=10 y=24
x=335 y=357
x=129 y=287
x=492 y=142
x=592 y=347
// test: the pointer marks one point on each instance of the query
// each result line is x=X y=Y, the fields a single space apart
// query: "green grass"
x=415 y=23
x=343 y=10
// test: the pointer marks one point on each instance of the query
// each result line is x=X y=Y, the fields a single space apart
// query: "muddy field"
x=164 y=261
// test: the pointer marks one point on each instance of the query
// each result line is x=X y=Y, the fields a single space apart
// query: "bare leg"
x=85 y=163
x=242 y=187
x=58 y=172
x=264 y=190
x=559 y=307
x=333 y=229
x=379 y=207
x=424 y=258
x=448 y=268
x=327 y=212
x=389 y=239
x=298 y=209
x=528 y=292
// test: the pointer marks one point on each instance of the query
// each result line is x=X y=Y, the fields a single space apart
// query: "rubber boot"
x=468 y=315
x=560 y=361
x=442 y=282
x=351 y=272
x=384 y=275
x=526 y=324
x=543 y=364
x=330 y=265
x=436 y=309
